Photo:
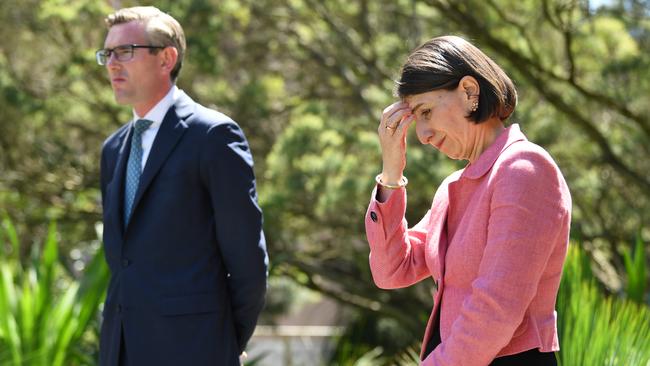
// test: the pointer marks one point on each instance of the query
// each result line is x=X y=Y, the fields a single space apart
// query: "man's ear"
x=168 y=58
x=469 y=86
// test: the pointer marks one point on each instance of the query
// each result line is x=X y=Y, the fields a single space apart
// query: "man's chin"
x=121 y=99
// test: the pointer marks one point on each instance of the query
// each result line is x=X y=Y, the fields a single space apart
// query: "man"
x=182 y=227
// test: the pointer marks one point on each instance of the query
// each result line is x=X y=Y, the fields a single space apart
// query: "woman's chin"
x=452 y=155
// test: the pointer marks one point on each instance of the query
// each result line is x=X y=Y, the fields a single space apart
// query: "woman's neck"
x=485 y=134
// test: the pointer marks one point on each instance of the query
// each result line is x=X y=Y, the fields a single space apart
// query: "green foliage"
x=254 y=360
x=374 y=357
x=45 y=316
x=370 y=358
x=307 y=80
x=371 y=337
x=636 y=268
x=266 y=63
x=598 y=330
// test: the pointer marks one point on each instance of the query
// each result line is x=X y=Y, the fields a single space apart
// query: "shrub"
x=44 y=313
x=595 y=329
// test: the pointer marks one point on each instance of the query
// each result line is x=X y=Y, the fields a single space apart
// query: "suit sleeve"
x=227 y=165
x=396 y=253
x=528 y=208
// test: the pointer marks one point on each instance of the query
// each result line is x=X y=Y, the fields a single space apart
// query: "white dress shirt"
x=156 y=114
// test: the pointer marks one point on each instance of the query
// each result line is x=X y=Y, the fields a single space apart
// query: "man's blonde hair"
x=161 y=30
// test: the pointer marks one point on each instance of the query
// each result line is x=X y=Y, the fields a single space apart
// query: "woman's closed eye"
x=425 y=113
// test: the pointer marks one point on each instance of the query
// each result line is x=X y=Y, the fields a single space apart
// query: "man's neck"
x=143 y=108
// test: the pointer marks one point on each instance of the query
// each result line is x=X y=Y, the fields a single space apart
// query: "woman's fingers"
x=405 y=123
x=394 y=108
x=393 y=114
x=401 y=126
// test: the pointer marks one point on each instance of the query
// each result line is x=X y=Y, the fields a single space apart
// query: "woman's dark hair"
x=440 y=64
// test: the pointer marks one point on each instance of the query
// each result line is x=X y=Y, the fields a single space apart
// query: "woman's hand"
x=394 y=124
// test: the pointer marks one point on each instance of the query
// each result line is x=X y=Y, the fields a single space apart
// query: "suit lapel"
x=171 y=130
x=116 y=186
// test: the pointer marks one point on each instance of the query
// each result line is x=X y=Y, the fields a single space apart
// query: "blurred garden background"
x=307 y=80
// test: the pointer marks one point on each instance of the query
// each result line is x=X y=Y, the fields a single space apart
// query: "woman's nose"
x=423 y=132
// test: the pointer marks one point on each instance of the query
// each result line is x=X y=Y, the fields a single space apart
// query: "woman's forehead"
x=416 y=99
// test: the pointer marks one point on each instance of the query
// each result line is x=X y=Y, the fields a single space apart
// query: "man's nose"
x=111 y=60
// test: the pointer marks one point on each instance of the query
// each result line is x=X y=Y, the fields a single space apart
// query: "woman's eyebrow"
x=416 y=108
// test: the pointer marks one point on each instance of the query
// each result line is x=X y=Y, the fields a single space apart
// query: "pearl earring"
x=475 y=106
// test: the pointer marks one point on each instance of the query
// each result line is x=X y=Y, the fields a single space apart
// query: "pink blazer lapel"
x=437 y=238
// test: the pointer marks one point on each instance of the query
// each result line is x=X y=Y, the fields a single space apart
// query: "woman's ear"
x=469 y=90
x=469 y=86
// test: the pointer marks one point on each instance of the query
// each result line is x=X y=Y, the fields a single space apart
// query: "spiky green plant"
x=595 y=329
x=637 y=271
x=44 y=314
x=371 y=358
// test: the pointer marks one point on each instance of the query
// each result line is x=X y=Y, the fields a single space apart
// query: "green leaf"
x=42 y=322
x=28 y=311
x=8 y=327
x=61 y=325
x=10 y=232
x=636 y=271
x=596 y=329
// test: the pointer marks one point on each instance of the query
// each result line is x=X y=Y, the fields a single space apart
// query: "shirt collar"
x=158 y=112
x=486 y=160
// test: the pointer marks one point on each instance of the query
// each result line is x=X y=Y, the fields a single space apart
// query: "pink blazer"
x=494 y=240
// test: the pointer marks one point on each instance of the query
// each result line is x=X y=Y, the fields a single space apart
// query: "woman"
x=496 y=236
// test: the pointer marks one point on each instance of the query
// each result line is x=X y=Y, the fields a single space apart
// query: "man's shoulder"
x=197 y=115
x=213 y=124
x=208 y=117
x=113 y=141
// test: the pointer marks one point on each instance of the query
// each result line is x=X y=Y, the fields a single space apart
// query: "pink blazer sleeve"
x=396 y=253
x=530 y=203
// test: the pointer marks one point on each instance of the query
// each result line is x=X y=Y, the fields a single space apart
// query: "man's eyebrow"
x=416 y=108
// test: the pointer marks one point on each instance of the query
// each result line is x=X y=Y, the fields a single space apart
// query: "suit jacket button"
x=373 y=216
x=125 y=263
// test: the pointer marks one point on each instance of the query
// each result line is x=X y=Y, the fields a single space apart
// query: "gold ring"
x=390 y=127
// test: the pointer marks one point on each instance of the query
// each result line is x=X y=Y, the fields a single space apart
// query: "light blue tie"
x=134 y=167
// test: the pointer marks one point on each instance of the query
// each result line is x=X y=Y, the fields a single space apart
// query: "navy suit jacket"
x=188 y=273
